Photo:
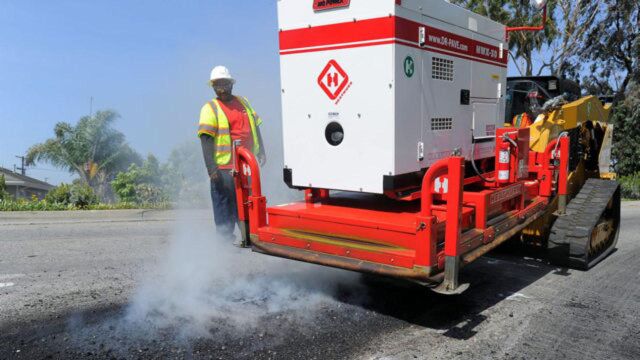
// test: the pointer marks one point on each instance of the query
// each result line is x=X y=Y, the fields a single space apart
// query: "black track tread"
x=570 y=235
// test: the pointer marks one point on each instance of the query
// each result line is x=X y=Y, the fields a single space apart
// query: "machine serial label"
x=319 y=5
x=487 y=52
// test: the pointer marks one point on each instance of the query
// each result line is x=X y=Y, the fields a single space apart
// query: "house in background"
x=24 y=187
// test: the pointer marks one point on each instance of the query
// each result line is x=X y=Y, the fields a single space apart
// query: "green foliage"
x=82 y=196
x=522 y=44
x=79 y=196
x=626 y=137
x=613 y=49
x=26 y=205
x=631 y=186
x=92 y=149
x=182 y=179
x=59 y=195
x=144 y=184
x=34 y=205
x=124 y=184
x=4 y=195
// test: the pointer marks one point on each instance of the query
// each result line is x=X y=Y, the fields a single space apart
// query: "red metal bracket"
x=531 y=28
x=315 y=195
x=253 y=205
x=547 y=168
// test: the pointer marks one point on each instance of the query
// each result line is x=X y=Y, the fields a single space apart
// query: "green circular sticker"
x=409 y=66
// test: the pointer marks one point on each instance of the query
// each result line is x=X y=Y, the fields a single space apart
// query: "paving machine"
x=394 y=127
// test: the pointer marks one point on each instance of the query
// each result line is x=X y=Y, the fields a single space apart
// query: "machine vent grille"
x=441 y=69
x=439 y=124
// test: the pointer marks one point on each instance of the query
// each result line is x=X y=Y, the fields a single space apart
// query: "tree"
x=144 y=184
x=523 y=45
x=626 y=136
x=92 y=149
x=182 y=179
x=632 y=99
x=613 y=49
x=576 y=22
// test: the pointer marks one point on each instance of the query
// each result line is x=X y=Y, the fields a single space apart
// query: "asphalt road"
x=160 y=285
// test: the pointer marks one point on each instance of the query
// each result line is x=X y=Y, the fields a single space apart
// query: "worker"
x=225 y=119
x=522 y=121
x=532 y=110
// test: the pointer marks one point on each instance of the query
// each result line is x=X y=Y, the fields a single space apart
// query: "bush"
x=4 y=195
x=631 y=186
x=82 y=196
x=61 y=194
x=124 y=185
x=25 y=205
x=142 y=184
x=33 y=205
x=76 y=195
x=150 y=194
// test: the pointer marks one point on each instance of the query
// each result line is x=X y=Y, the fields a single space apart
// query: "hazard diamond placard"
x=333 y=79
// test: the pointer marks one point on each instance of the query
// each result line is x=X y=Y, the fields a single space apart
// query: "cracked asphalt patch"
x=76 y=286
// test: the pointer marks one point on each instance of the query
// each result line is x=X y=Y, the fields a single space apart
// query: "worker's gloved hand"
x=262 y=159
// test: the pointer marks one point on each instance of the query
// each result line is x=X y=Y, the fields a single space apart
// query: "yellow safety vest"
x=214 y=122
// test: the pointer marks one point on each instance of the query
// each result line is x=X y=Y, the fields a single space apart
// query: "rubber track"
x=570 y=236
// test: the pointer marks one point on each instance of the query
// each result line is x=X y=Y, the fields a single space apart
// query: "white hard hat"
x=221 y=72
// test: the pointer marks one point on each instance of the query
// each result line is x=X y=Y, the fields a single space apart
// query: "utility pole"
x=23 y=169
x=91 y=107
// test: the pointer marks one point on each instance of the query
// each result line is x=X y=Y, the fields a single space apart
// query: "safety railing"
x=252 y=206
x=450 y=173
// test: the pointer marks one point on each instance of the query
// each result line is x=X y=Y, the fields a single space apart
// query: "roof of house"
x=14 y=179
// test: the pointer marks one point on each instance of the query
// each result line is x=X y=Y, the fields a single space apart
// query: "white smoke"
x=204 y=284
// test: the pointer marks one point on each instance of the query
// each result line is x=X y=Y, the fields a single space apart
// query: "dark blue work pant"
x=223 y=197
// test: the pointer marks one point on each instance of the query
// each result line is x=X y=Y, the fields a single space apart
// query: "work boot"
x=237 y=242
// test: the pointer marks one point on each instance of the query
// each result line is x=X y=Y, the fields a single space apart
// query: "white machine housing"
x=408 y=81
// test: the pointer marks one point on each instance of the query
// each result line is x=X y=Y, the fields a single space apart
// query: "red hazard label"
x=333 y=80
x=319 y=5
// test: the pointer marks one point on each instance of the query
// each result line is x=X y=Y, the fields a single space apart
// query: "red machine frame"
x=455 y=221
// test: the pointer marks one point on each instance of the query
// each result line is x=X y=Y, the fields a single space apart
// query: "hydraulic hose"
x=473 y=161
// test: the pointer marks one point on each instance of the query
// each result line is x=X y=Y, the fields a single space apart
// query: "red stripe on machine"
x=337 y=34
x=387 y=30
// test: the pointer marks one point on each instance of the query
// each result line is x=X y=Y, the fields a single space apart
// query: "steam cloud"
x=203 y=285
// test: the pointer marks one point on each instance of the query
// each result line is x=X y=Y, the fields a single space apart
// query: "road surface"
x=132 y=284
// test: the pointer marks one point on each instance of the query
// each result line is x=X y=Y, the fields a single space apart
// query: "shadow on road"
x=493 y=278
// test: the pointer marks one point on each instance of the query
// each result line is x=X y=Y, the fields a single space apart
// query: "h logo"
x=333 y=80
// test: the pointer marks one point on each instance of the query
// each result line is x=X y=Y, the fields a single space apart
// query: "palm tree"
x=92 y=149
